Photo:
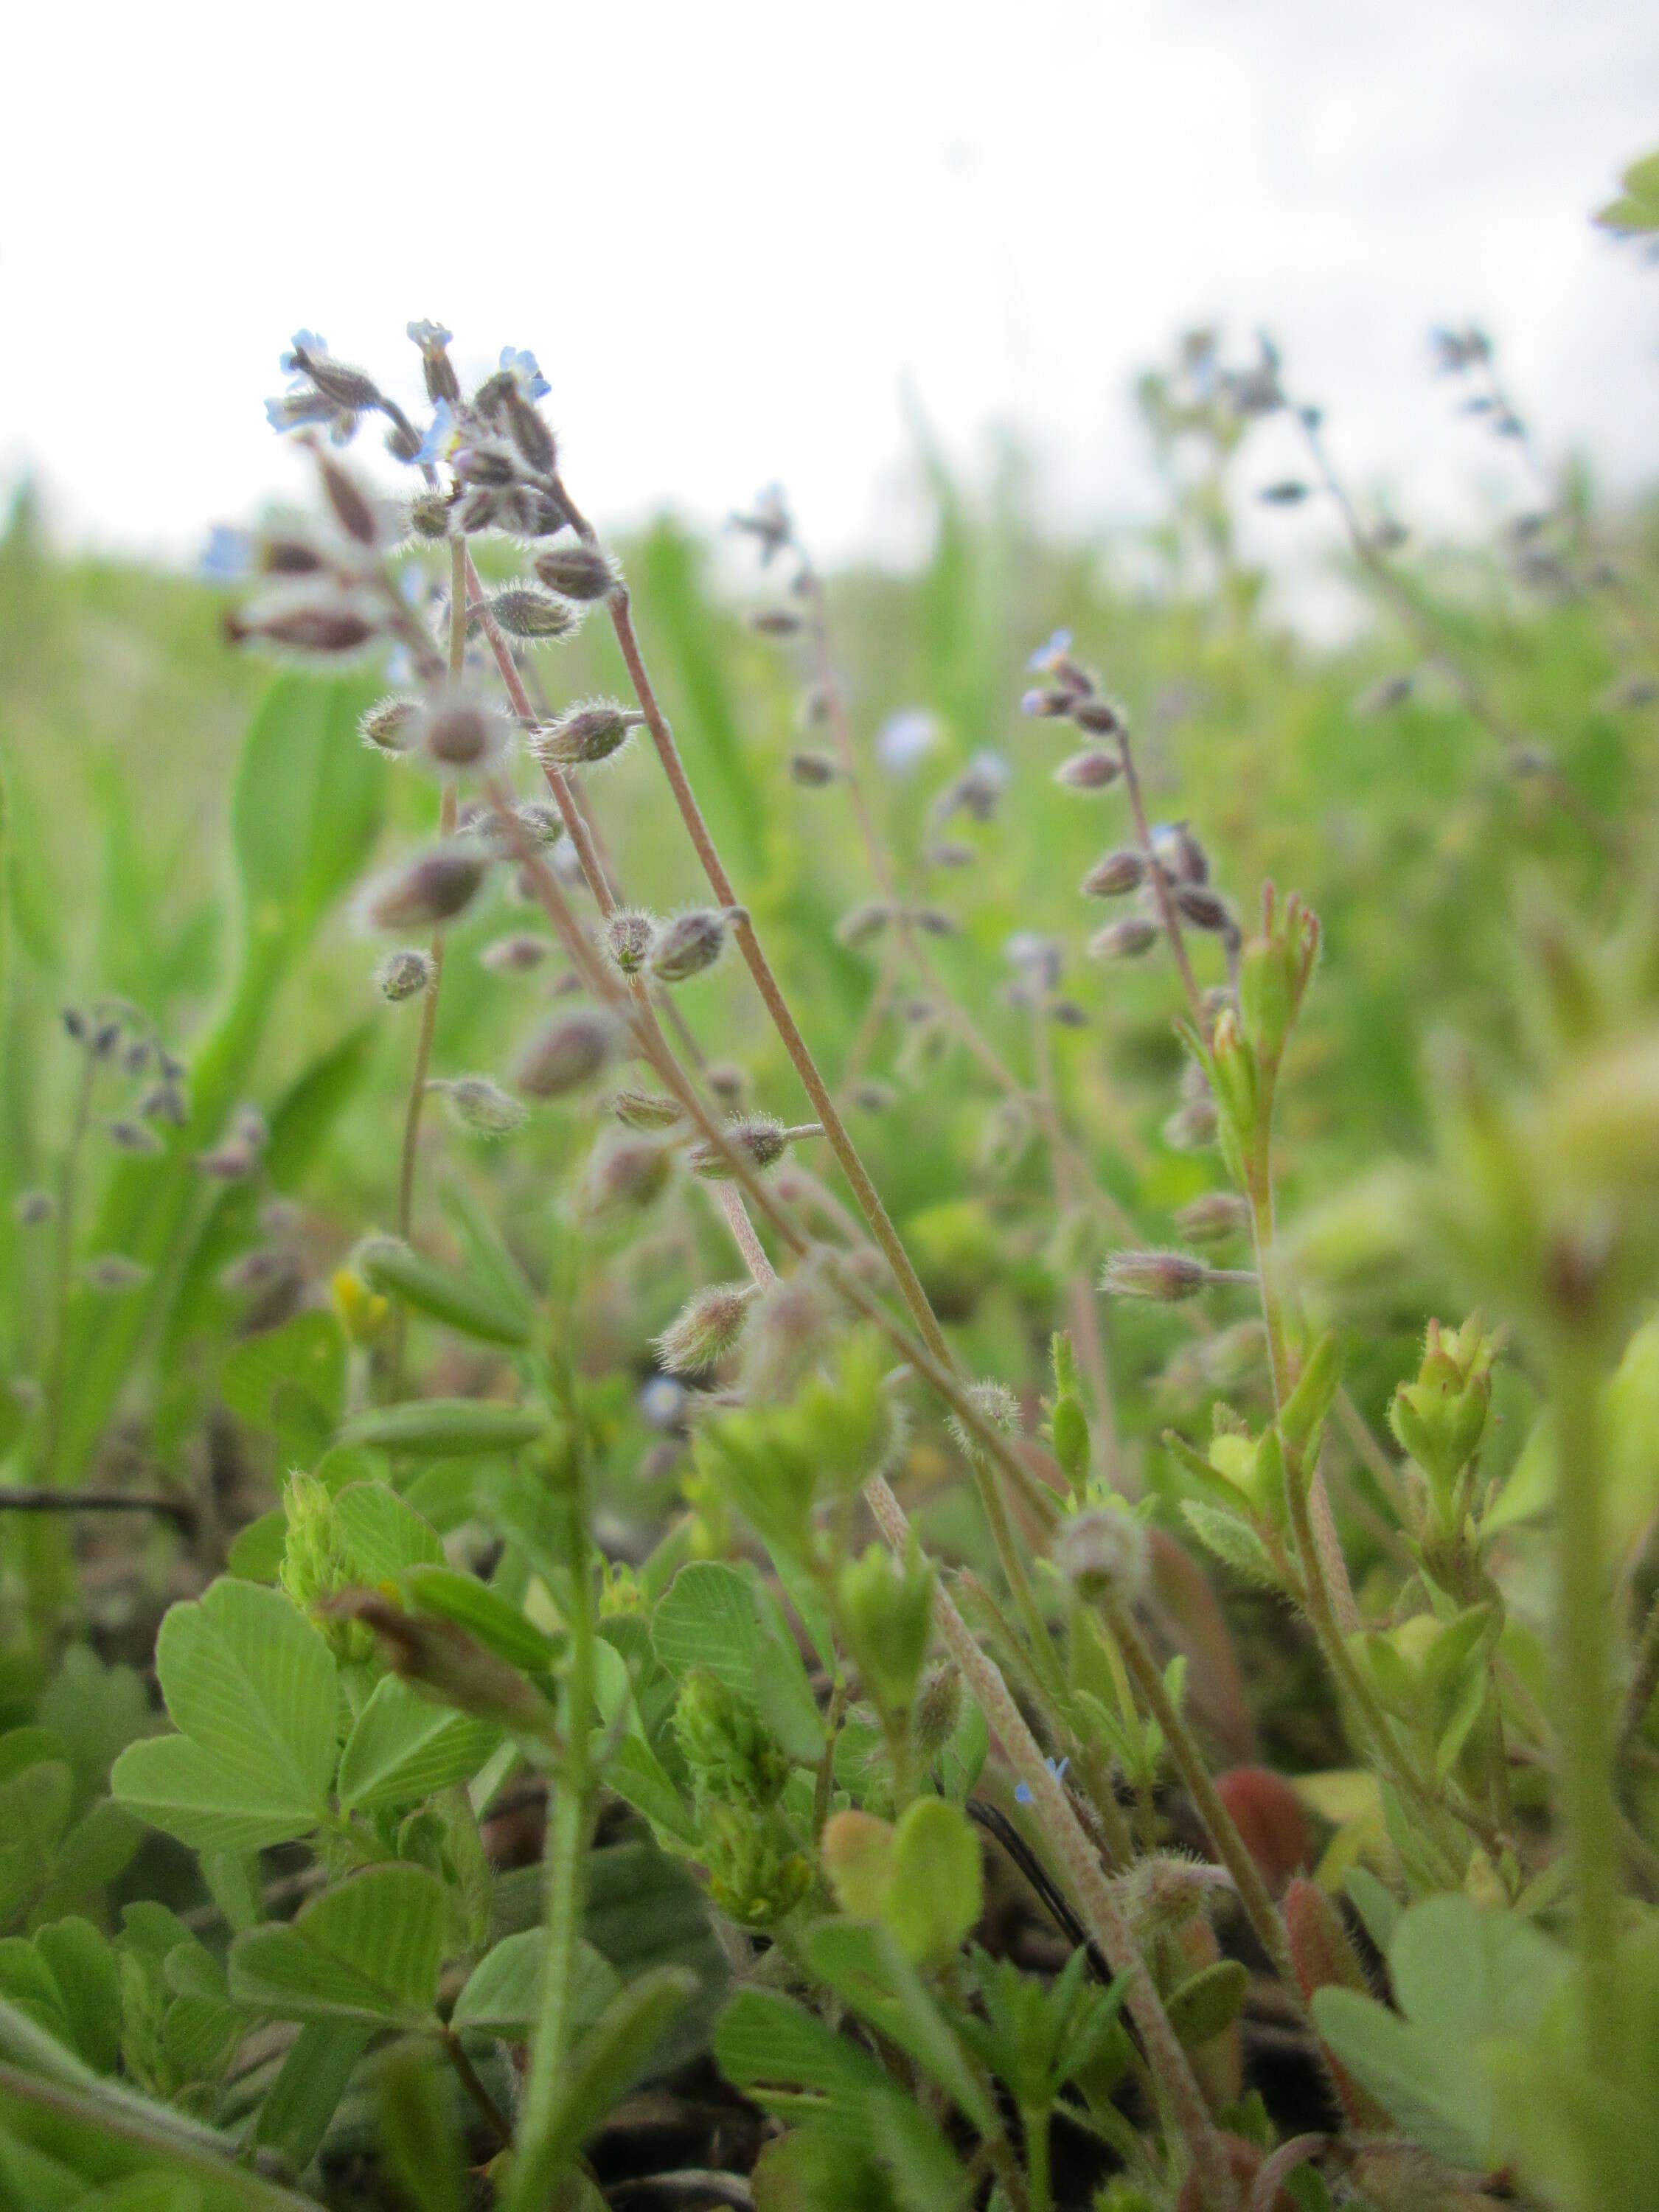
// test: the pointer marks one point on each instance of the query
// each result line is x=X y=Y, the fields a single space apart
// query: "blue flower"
x=291 y=410
x=521 y=365
x=306 y=342
x=399 y=667
x=440 y=439
x=905 y=738
x=431 y=337
x=1022 y=1789
x=1046 y=655
x=227 y=555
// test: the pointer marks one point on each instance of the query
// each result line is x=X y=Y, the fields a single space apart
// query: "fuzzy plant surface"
x=801 y=1410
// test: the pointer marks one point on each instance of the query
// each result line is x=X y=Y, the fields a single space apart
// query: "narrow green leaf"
x=440 y=1426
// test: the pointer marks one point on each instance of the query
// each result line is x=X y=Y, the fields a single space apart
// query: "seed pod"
x=434 y=886
x=392 y=725
x=479 y=1105
x=1179 y=854
x=515 y=955
x=1099 y=717
x=568 y=1053
x=578 y=571
x=706 y=1328
x=646 y=1110
x=1193 y=1125
x=287 y=554
x=628 y=935
x=1124 y=870
x=862 y=925
x=353 y=506
x=813 y=770
x=1211 y=1219
x=625 y=1175
x=688 y=945
x=1166 y=1277
x=350 y=389
x=727 y=1080
x=523 y=611
x=1124 y=940
x=936 y=1712
x=1046 y=702
x=461 y=734
x=1205 y=909
x=586 y=734
x=757 y=1138
x=1089 y=771
x=327 y=627
x=1101 y=1551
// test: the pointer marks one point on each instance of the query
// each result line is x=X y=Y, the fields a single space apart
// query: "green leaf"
x=472 y=1605
x=306 y=807
x=503 y=1993
x=1208 y=2002
x=404 y=1747
x=368 y=1949
x=441 y=1426
x=638 y=1777
x=33 y=1808
x=711 y=1616
x=868 y=1971
x=251 y=1685
x=1234 y=1542
x=936 y=1886
x=419 y=2142
x=383 y=1535
x=289 y=1381
x=602 y=2070
x=301 y=2102
x=472 y=1309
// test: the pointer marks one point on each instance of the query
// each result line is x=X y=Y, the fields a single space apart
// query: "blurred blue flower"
x=227 y=555
x=1046 y=655
x=290 y=409
x=1022 y=1789
x=399 y=667
x=306 y=342
x=438 y=440
x=904 y=739
x=520 y=365
x=431 y=337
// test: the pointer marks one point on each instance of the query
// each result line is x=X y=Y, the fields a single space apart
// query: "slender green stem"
x=1039 y=2179
x=1584 y=1693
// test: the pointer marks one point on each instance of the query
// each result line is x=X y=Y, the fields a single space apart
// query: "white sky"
x=735 y=233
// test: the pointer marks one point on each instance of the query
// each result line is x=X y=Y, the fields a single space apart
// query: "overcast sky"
x=737 y=234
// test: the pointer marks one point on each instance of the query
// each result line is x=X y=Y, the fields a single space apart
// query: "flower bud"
x=434 y=886
x=31 y=1207
x=516 y=955
x=775 y=621
x=937 y=1709
x=392 y=725
x=1104 y=1551
x=727 y=1080
x=646 y=1110
x=688 y=944
x=862 y=925
x=756 y=1138
x=1193 y=1125
x=1179 y=854
x=1211 y=1219
x=353 y=506
x=886 y=1610
x=813 y=770
x=629 y=934
x=529 y=432
x=1126 y=939
x=871 y=1097
x=479 y=1105
x=132 y=1137
x=1099 y=717
x=1089 y=771
x=569 y=1053
x=1166 y=1277
x=436 y=1656
x=707 y=1327
x=227 y=1162
x=523 y=611
x=1124 y=870
x=461 y=734
x=586 y=734
x=625 y=1175
x=165 y=1102
x=577 y=571
x=996 y=1406
x=730 y=1751
x=1203 y=907
x=486 y=464
x=312 y=627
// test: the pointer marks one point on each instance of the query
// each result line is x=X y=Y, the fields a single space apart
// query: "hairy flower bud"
x=995 y=1405
x=813 y=770
x=732 y=1753
x=756 y=1138
x=1104 y=1551
x=32 y=1207
x=515 y=955
x=706 y=1328
x=1203 y=907
x=523 y=611
x=132 y=1137
x=1213 y=1217
x=1124 y=870
x=1089 y=771
x=586 y=734
x=1099 y=717
x=576 y=571
x=646 y=1110
x=625 y=1175
x=529 y=432
x=1166 y=1277
x=392 y=725
x=434 y=886
x=937 y=1710
x=1179 y=854
x=629 y=934
x=569 y=1053
x=479 y=1105
x=862 y=925
x=310 y=627
x=688 y=944
x=486 y=464
x=1126 y=939
x=1193 y=1125
x=459 y=734
x=353 y=506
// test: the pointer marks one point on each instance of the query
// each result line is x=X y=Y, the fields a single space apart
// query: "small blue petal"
x=435 y=445
x=1022 y=1793
x=1055 y=649
x=399 y=666
x=904 y=739
x=430 y=337
x=227 y=555
x=520 y=364
x=306 y=342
